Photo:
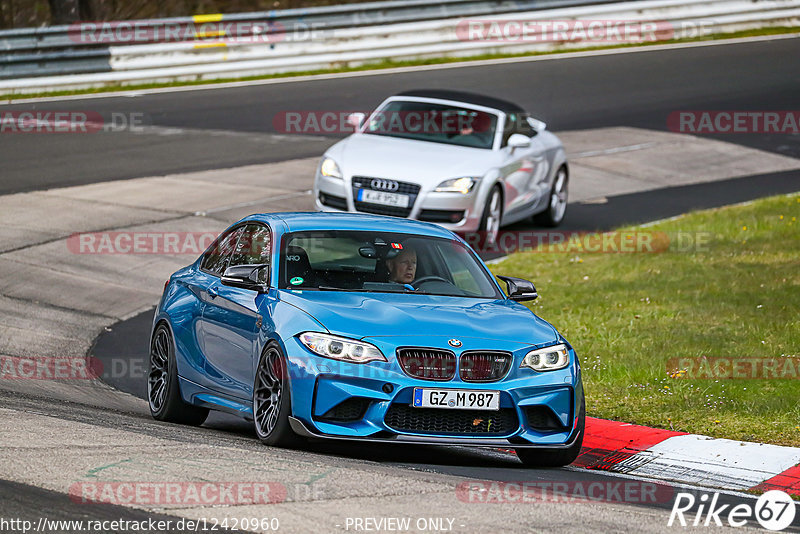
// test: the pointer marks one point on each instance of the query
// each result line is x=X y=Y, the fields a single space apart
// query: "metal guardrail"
x=327 y=17
x=348 y=35
x=60 y=50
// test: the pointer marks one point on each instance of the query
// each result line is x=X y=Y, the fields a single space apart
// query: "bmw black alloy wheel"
x=268 y=392
x=158 y=378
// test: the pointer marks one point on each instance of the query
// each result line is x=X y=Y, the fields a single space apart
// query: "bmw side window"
x=254 y=247
x=216 y=258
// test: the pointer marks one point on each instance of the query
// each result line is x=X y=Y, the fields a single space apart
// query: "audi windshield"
x=383 y=262
x=437 y=123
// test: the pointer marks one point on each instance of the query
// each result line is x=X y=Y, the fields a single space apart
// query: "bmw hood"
x=367 y=315
x=409 y=160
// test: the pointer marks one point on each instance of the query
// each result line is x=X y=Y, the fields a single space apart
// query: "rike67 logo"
x=774 y=510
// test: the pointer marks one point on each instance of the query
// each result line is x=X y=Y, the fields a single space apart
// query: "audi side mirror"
x=519 y=141
x=355 y=119
x=519 y=289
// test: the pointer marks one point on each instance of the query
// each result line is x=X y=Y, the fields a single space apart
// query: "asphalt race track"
x=221 y=128
x=205 y=129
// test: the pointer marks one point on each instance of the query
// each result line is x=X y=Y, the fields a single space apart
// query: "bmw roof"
x=466 y=97
x=315 y=220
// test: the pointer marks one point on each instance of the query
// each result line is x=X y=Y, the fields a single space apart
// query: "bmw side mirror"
x=245 y=277
x=519 y=141
x=519 y=289
x=355 y=119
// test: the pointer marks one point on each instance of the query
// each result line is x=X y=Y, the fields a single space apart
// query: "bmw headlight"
x=330 y=169
x=547 y=359
x=341 y=348
x=457 y=185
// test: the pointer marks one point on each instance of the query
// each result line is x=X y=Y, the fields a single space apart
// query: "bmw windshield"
x=382 y=262
x=437 y=123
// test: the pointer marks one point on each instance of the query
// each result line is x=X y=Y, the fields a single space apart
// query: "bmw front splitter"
x=302 y=429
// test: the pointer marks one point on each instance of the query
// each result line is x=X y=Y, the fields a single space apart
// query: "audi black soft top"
x=466 y=97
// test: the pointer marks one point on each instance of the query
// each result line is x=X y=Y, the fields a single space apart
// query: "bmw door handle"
x=212 y=292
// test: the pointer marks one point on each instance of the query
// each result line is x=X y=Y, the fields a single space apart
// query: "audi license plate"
x=456 y=399
x=382 y=197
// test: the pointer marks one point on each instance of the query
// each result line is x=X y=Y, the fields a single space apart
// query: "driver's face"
x=403 y=267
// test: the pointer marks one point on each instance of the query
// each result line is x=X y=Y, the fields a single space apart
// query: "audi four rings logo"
x=384 y=185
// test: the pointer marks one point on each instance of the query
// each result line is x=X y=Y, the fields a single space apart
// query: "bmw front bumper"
x=320 y=385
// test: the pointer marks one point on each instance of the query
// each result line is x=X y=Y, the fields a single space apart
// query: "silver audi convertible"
x=468 y=162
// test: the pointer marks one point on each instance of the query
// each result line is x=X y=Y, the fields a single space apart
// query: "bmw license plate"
x=382 y=197
x=456 y=399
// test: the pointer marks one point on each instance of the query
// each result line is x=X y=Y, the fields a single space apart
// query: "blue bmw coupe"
x=360 y=327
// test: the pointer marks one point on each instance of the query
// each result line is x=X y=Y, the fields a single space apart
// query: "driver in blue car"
x=403 y=267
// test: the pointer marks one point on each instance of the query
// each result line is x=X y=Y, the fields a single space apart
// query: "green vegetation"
x=631 y=315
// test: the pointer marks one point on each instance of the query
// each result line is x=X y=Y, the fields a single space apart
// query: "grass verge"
x=630 y=315
x=390 y=64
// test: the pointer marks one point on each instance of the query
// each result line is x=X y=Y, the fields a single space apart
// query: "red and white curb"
x=688 y=458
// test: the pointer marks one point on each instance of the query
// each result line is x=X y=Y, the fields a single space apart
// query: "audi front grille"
x=389 y=186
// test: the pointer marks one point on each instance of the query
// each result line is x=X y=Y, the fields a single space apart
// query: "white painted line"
x=674 y=483
x=598 y=200
x=712 y=462
x=133 y=93
x=615 y=150
x=682 y=215
x=252 y=203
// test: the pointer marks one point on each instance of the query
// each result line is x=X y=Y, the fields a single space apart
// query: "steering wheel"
x=430 y=279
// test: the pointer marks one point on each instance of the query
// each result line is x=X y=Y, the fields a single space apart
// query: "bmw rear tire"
x=163 y=389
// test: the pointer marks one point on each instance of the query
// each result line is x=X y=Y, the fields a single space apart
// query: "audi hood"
x=409 y=160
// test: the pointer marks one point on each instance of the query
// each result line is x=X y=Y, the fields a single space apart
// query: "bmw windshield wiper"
x=400 y=289
x=331 y=288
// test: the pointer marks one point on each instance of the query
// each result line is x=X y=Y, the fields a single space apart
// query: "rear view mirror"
x=519 y=289
x=368 y=252
x=244 y=276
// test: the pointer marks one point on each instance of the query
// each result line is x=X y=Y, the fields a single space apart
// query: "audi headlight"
x=341 y=348
x=547 y=359
x=457 y=185
x=330 y=169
